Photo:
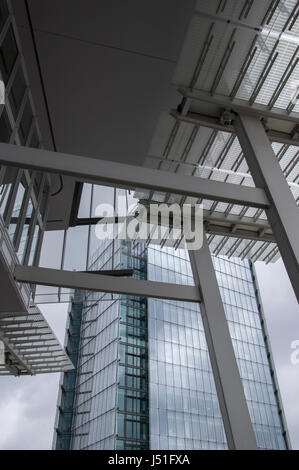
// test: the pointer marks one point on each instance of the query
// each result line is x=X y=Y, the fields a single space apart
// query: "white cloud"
x=28 y=404
x=27 y=408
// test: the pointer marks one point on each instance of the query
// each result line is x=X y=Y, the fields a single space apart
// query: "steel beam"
x=109 y=173
x=220 y=223
x=102 y=283
x=213 y=122
x=241 y=106
x=216 y=223
x=238 y=232
x=232 y=401
x=283 y=214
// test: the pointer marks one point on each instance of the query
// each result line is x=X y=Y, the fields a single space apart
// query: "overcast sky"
x=28 y=404
x=282 y=316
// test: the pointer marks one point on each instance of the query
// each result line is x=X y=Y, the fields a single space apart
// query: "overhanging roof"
x=30 y=345
x=236 y=55
x=226 y=65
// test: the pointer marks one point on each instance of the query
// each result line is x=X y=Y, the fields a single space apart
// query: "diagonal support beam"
x=102 y=283
x=283 y=214
x=232 y=401
x=109 y=173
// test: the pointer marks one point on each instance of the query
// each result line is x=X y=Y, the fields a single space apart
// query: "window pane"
x=3 y=12
x=5 y=127
x=25 y=123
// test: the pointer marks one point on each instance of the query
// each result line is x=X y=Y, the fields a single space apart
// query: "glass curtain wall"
x=23 y=193
x=110 y=395
x=132 y=414
x=144 y=378
x=184 y=409
x=67 y=387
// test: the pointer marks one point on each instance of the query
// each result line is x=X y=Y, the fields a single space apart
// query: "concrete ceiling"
x=107 y=67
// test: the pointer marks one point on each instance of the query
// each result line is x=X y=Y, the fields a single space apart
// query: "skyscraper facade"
x=143 y=378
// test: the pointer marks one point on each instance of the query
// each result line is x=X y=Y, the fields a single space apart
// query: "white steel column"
x=232 y=401
x=283 y=213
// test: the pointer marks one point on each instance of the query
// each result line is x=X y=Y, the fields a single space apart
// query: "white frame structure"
x=271 y=194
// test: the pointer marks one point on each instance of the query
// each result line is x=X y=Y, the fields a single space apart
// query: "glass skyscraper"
x=143 y=378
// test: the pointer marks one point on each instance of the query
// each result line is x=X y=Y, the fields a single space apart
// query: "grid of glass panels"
x=184 y=409
x=144 y=376
x=23 y=193
x=93 y=424
x=278 y=41
x=67 y=386
x=111 y=393
x=94 y=414
x=132 y=415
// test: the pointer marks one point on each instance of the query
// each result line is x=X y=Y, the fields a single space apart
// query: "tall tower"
x=143 y=377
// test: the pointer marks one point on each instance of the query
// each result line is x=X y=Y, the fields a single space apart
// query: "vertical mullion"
x=16 y=123
x=40 y=240
x=22 y=218
x=33 y=222
x=89 y=228
x=62 y=259
x=11 y=198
